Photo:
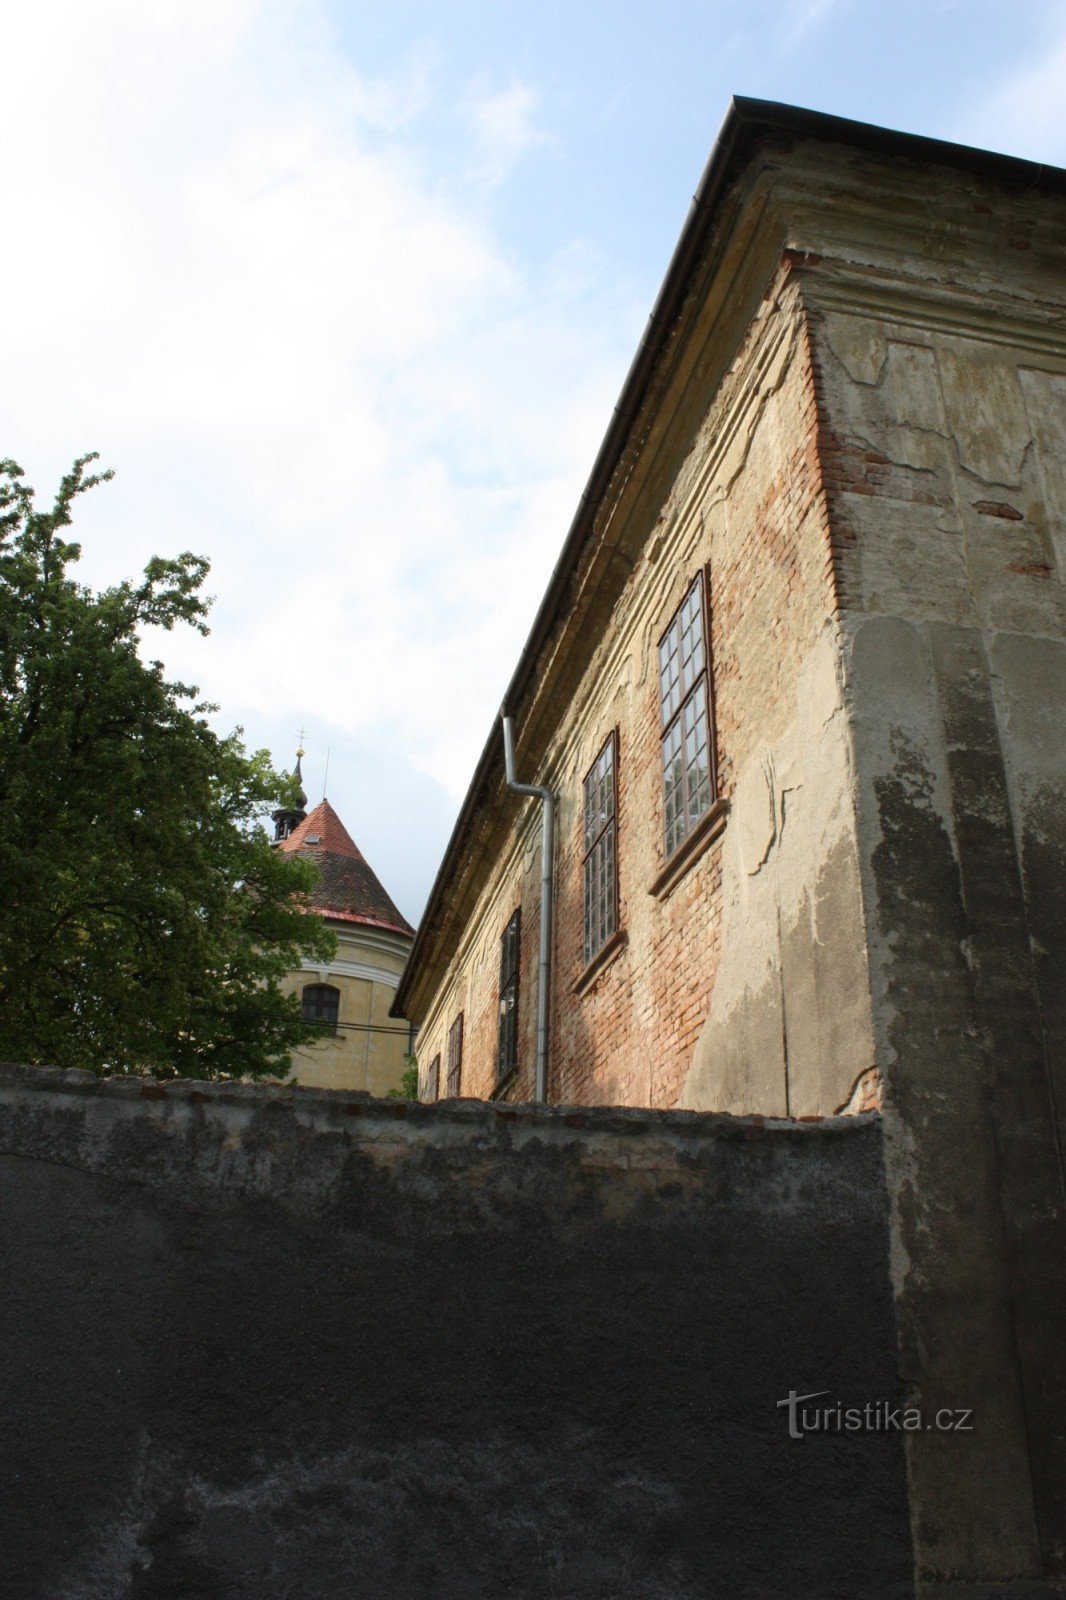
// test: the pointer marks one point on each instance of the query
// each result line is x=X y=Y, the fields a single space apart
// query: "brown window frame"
x=433 y=1079
x=507 y=1035
x=455 y=1058
x=674 y=721
x=593 y=941
x=318 y=990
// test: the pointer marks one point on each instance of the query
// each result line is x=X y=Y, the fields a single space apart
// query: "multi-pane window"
x=455 y=1057
x=687 y=724
x=601 y=857
x=321 y=1003
x=433 y=1079
x=507 y=1045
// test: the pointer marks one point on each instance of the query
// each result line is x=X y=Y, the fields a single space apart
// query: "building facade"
x=366 y=1048
x=797 y=687
x=852 y=412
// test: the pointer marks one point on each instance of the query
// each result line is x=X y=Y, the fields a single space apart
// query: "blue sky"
x=346 y=295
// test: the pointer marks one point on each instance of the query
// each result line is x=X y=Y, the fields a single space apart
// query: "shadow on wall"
x=290 y=1344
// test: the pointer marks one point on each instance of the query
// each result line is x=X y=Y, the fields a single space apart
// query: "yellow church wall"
x=368 y=1050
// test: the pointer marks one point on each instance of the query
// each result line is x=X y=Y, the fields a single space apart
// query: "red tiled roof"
x=348 y=888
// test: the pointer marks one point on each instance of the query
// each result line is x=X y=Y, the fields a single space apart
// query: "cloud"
x=242 y=270
x=801 y=16
x=505 y=130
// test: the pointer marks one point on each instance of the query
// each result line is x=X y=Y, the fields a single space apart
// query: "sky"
x=346 y=294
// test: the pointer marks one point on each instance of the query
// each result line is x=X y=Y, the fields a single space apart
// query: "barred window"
x=507 y=1045
x=321 y=1003
x=433 y=1079
x=601 y=857
x=455 y=1057
x=687 y=718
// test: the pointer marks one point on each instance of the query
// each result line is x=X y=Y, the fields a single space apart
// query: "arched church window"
x=321 y=1003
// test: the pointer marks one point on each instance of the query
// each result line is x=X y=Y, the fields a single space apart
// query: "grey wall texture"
x=946 y=482
x=289 y=1343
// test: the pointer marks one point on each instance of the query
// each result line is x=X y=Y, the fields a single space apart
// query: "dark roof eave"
x=745 y=121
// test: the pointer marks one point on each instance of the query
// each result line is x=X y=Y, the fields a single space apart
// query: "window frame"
x=507 y=1031
x=322 y=989
x=433 y=1080
x=455 y=1059
x=591 y=951
x=668 y=724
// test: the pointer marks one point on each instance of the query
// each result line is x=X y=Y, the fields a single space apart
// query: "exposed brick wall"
x=745 y=504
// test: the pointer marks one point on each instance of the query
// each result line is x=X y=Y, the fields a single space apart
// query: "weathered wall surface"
x=888 y=897
x=282 y=1343
x=944 y=446
x=743 y=986
x=788 y=1029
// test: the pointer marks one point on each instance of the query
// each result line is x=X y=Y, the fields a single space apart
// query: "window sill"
x=709 y=828
x=601 y=959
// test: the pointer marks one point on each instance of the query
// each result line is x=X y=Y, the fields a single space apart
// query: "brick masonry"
x=752 y=514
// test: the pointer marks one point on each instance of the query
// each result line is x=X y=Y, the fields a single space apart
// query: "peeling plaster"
x=861 y=353
x=953 y=498
x=984 y=404
x=791 y=911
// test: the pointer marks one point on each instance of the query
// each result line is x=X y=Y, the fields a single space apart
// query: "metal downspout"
x=547 y=859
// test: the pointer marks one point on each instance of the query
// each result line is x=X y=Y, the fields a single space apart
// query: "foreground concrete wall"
x=944 y=445
x=277 y=1342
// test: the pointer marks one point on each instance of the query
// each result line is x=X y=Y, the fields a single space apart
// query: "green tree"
x=408 y=1086
x=145 y=920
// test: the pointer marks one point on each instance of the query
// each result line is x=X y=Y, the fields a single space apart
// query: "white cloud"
x=236 y=272
x=505 y=129
x=801 y=16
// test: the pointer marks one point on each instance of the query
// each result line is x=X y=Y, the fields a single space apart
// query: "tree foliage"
x=145 y=920
x=408 y=1085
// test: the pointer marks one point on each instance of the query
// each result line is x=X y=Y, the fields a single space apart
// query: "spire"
x=287 y=818
x=348 y=889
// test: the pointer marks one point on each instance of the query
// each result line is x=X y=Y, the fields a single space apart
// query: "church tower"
x=287 y=820
x=367 y=1048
